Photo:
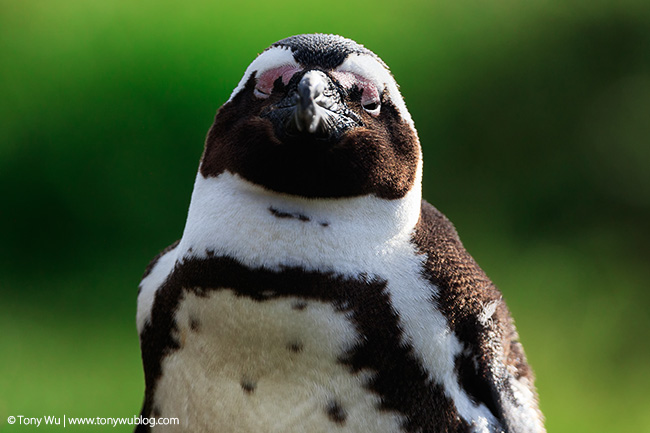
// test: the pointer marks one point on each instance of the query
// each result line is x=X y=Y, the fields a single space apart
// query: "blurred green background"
x=535 y=122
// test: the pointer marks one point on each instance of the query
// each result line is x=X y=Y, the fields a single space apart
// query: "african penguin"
x=312 y=289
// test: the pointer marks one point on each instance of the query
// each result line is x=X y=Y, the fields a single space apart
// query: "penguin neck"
x=229 y=216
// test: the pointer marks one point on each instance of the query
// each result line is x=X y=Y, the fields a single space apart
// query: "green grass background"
x=535 y=122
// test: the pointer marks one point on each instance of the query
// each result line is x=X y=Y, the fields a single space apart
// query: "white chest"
x=251 y=366
x=271 y=366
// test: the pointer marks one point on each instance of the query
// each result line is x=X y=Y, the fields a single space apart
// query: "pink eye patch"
x=348 y=79
x=265 y=81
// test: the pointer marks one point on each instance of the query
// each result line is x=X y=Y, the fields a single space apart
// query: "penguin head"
x=317 y=116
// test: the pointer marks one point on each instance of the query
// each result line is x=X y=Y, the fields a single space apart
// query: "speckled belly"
x=246 y=365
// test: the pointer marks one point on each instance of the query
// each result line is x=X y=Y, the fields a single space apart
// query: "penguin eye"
x=370 y=98
x=370 y=95
x=371 y=106
x=260 y=93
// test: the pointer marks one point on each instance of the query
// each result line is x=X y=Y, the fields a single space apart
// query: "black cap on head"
x=322 y=50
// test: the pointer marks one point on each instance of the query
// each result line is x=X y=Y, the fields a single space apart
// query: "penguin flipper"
x=153 y=279
x=492 y=368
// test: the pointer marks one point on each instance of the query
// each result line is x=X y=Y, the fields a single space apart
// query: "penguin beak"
x=313 y=108
x=313 y=99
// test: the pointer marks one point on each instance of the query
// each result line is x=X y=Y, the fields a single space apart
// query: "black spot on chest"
x=195 y=324
x=336 y=413
x=288 y=215
x=248 y=386
x=295 y=347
